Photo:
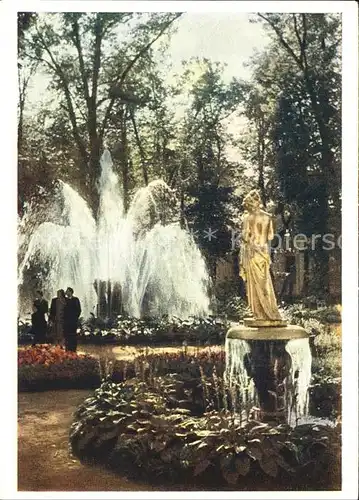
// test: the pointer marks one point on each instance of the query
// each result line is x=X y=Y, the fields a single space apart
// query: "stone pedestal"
x=285 y=333
x=268 y=364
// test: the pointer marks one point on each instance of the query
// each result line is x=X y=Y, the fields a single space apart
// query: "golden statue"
x=257 y=232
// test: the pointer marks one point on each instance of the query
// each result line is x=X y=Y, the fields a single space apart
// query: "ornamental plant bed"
x=153 y=331
x=191 y=377
x=45 y=367
x=131 y=428
x=201 y=363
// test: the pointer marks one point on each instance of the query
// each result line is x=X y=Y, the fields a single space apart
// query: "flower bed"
x=207 y=366
x=132 y=428
x=144 y=366
x=151 y=331
x=210 y=330
x=168 y=416
x=45 y=367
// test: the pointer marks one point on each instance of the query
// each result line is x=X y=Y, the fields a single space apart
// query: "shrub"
x=131 y=428
x=150 y=331
x=49 y=367
x=229 y=303
x=299 y=312
x=326 y=363
x=326 y=389
x=24 y=332
x=325 y=399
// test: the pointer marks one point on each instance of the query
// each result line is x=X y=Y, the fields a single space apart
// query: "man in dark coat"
x=72 y=314
x=38 y=320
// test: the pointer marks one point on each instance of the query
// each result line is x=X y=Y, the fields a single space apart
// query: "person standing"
x=72 y=314
x=38 y=319
x=57 y=316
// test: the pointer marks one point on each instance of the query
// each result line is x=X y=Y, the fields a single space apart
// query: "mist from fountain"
x=110 y=228
x=157 y=263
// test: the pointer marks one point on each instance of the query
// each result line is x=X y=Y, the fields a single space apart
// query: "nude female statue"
x=257 y=231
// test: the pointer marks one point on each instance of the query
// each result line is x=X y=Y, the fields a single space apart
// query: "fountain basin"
x=275 y=363
x=288 y=332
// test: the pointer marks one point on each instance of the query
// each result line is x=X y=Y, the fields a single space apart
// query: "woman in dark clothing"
x=57 y=317
x=38 y=320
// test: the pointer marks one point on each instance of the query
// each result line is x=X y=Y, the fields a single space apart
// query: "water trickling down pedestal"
x=271 y=367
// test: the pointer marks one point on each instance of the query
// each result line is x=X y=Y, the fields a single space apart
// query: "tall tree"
x=312 y=43
x=26 y=69
x=210 y=175
x=91 y=63
x=255 y=142
x=299 y=73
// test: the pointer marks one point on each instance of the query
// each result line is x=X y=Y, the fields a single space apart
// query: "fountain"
x=142 y=262
x=267 y=359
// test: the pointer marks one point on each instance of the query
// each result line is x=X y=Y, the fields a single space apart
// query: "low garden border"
x=44 y=367
x=130 y=427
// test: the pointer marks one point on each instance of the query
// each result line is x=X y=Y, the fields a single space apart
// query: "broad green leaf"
x=243 y=464
x=269 y=466
x=201 y=467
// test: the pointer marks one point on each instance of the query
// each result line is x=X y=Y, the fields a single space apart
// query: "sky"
x=226 y=37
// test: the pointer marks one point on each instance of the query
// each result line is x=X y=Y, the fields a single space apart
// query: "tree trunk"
x=124 y=160
x=140 y=149
x=261 y=185
x=20 y=126
x=94 y=171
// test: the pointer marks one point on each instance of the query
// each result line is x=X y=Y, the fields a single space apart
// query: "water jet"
x=141 y=261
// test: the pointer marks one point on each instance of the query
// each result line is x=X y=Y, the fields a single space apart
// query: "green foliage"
x=327 y=357
x=298 y=313
x=229 y=303
x=210 y=214
x=126 y=330
x=210 y=177
x=24 y=334
x=130 y=428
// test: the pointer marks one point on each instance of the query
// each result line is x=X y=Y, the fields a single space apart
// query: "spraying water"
x=65 y=253
x=156 y=263
x=236 y=375
x=301 y=372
